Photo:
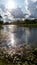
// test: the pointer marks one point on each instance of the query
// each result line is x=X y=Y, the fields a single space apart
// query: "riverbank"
x=1 y=26
x=26 y=57
x=27 y=25
x=22 y=25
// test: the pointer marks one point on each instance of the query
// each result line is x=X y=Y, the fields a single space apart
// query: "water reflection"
x=14 y=36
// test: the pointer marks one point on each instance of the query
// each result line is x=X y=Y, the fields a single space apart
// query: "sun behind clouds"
x=11 y=5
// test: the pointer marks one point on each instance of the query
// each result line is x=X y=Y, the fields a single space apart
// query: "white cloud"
x=11 y=15
x=26 y=6
x=31 y=7
x=33 y=0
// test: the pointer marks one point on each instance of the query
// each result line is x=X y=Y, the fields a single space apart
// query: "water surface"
x=14 y=36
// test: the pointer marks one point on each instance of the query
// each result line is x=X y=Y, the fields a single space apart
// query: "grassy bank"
x=22 y=25
x=27 y=25
x=1 y=26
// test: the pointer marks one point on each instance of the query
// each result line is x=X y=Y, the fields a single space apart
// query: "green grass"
x=3 y=63
x=22 y=25
x=26 y=25
x=1 y=26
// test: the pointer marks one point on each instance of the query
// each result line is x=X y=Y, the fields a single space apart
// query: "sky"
x=18 y=9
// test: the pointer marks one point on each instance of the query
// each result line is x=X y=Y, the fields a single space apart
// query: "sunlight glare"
x=11 y=5
x=12 y=40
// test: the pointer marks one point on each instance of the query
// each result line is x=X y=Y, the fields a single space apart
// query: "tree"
x=6 y=23
x=1 y=21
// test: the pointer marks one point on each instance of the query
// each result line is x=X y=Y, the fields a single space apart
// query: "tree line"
x=26 y=21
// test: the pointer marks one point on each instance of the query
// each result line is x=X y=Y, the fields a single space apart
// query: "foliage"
x=1 y=22
x=28 y=57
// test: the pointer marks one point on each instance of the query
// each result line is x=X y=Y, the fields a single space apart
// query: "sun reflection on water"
x=12 y=42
